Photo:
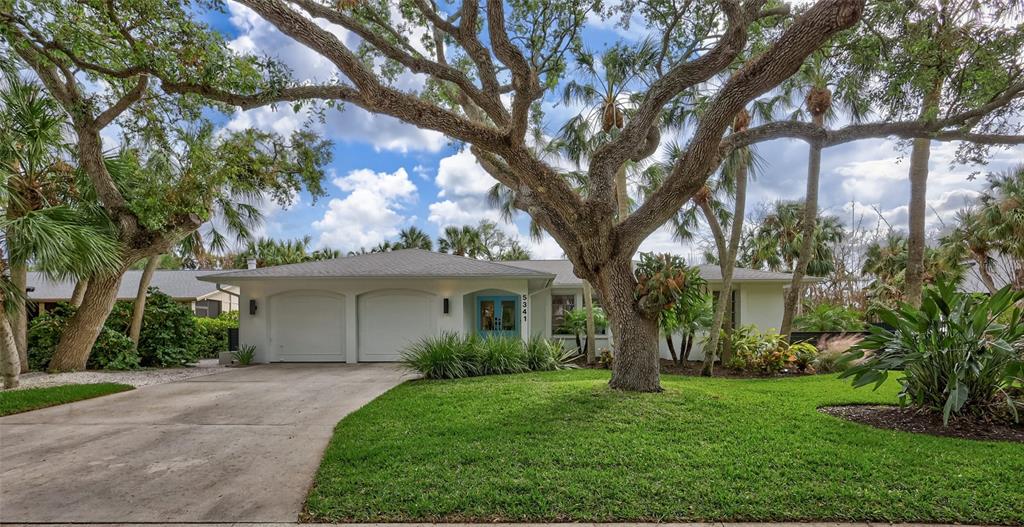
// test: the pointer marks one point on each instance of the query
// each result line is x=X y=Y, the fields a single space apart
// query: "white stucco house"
x=369 y=307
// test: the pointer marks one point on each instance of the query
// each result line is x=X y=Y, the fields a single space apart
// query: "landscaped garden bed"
x=562 y=446
x=17 y=401
x=909 y=419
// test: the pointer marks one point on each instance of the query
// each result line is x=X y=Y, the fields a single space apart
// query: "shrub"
x=605 y=359
x=212 y=334
x=440 y=357
x=44 y=334
x=802 y=355
x=760 y=352
x=830 y=317
x=454 y=356
x=113 y=351
x=244 y=355
x=169 y=336
x=497 y=355
x=547 y=354
x=955 y=354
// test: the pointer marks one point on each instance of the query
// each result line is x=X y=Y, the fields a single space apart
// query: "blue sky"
x=387 y=175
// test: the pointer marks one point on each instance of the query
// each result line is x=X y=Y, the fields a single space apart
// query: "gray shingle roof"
x=178 y=284
x=405 y=263
x=564 y=275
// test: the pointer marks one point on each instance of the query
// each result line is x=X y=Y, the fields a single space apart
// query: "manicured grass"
x=17 y=401
x=561 y=446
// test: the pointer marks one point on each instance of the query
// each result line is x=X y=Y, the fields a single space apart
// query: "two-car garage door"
x=309 y=326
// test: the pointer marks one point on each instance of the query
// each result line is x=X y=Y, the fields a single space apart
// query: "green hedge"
x=171 y=335
x=213 y=334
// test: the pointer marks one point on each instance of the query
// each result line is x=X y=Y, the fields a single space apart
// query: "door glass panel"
x=487 y=315
x=508 y=315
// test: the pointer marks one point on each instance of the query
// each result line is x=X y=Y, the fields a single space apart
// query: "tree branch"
x=780 y=61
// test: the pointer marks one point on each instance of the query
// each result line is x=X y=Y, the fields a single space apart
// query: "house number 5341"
x=524 y=307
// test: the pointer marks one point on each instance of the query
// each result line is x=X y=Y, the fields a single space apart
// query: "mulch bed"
x=907 y=419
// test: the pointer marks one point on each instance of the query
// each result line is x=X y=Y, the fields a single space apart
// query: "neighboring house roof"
x=565 y=277
x=180 y=285
x=404 y=263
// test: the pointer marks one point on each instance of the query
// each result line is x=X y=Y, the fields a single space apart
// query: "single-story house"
x=204 y=298
x=369 y=307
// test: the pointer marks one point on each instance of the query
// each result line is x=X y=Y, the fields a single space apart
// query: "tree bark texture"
x=84 y=326
x=808 y=227
x=139 y=307
x=920 y=155
x=636 y=366
x=79 y=293
x=622 y=193
x=19 y=316
x=588 y=303
x=10 y=366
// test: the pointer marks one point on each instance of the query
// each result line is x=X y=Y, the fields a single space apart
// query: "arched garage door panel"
x=390 y=320
x=307 y=326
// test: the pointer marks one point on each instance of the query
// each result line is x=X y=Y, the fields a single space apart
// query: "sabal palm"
x=415 y=238
x=1002 y=217
x=461 y=241
x=775 y=244
x=34 y=160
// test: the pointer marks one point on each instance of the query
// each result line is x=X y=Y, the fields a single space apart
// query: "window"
x=560 y=305
x=208 y=308
x=732 y=306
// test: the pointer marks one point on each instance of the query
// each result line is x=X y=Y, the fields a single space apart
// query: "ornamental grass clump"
x=451 y=355
x=959 y=353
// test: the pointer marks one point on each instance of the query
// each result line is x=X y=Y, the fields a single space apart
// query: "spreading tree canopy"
x=485 y=70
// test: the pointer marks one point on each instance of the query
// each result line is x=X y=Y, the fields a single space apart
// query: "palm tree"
x=972 y=238
x=776 y=243
x=817 y=77
x=58 y=241
x=461 y=241
x=33 y=160
x=886 y=261
x=1002 y=213
x=602 y=89
x=515 y=251
x=415 y=238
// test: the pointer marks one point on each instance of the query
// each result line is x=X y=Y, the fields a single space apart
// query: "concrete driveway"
x=242 y=445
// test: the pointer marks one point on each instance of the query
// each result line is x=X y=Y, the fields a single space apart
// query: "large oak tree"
x=488 y=66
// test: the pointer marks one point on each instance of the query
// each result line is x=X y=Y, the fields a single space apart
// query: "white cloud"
x=352 y=124
x=370 y=213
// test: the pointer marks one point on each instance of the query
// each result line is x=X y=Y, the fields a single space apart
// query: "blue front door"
x=497 y=315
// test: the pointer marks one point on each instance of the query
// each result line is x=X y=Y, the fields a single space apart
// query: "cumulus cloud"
x=370 y=213
x=351 y=124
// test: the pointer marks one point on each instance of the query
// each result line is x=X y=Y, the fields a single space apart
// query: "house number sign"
x=524 y=308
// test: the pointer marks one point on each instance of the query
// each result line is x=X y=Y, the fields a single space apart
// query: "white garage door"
x=390 y=320
x=307 y=326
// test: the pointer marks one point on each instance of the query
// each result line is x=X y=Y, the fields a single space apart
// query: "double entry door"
x=497 y=315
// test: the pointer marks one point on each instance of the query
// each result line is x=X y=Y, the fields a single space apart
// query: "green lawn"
x=561 y=446
x=17 y=401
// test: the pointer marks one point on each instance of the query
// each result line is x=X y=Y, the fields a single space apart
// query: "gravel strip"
x=135 y=378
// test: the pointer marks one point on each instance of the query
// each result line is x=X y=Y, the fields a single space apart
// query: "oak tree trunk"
x=622 y=193
x=588 y=302
x=84 y=326
x=808 y=227
x=139 y=307
x=19 y=315
x=635 y=367
x=79 y=293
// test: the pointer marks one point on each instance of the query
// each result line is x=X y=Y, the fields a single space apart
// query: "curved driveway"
x=242 y=445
